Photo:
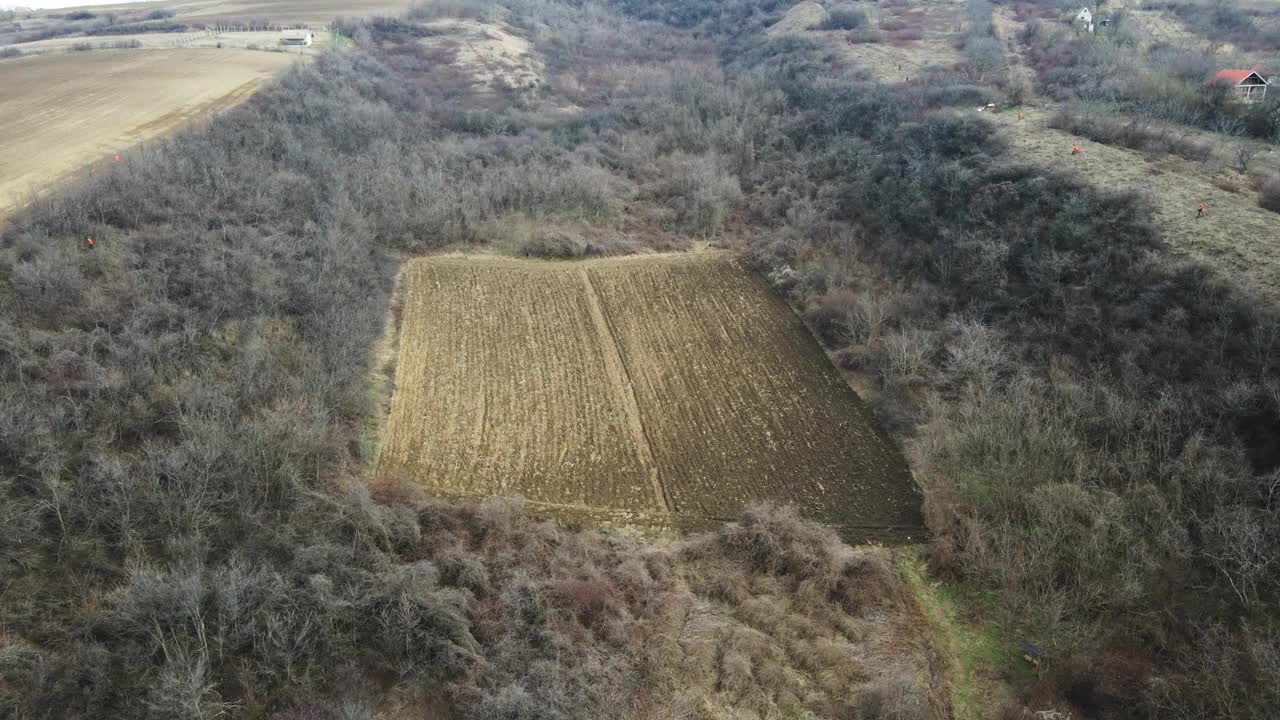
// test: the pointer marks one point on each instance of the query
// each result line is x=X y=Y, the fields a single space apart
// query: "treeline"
x=84 y=22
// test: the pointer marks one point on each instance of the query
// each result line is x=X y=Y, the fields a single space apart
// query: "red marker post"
x=117 y=158
x=89 y=241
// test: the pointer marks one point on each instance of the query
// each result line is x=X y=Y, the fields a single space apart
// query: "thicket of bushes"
x=1093 y=422
x=984 y=52
x=1269 y=193
x=1092 y=419
x=1131 y=132
x=844 y=18
x=1161 y=83
x=188 y=532
x=89 y=24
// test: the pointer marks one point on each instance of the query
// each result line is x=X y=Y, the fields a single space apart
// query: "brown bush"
x=1269 y=193
x=586 y=598
x=1231 y=185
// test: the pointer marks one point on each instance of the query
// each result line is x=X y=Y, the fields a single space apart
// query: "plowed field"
x=666 y=390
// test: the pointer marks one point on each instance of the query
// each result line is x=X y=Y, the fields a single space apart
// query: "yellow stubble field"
x=62 y=111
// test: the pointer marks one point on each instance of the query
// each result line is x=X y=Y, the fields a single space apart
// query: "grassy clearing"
x=382 y=375
x=979 y=658
x=897 y=41
x=1236 y=236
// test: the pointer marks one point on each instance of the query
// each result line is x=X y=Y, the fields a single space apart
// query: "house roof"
x=1235 y=77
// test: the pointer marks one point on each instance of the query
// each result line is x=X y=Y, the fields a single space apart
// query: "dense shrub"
x=211 y=356
x=1081 y=421
x=700 y=193
x=181 y=465
x=556 y=246
x=1132 y=133
x=183 y=473
x=1269 y=193
x=1162 y=84
x=984 y=51
x=139 y=28
x=844 y=18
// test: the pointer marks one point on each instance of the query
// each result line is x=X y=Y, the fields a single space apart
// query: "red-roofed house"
x=1248 y=84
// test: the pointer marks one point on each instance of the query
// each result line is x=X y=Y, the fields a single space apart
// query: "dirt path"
x=620 y=379
x=1009 y=28
x=1236 y=236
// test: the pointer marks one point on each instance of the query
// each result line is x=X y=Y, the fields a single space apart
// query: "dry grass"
x=619 y=389
x=899 y=55
x=1159 y=26
x=783 y=617
x=1236 y=236
x=1008 y=28
x=492 y=56
x=801 y=17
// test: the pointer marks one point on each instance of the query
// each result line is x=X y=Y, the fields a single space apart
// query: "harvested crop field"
x=307 y=11
x=59 y=112
x=663 y=390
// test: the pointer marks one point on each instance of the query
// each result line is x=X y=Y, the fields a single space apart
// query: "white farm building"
x=296 y=37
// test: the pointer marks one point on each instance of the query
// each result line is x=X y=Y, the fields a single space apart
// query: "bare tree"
x=1245 y=152
x=1238 y=549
